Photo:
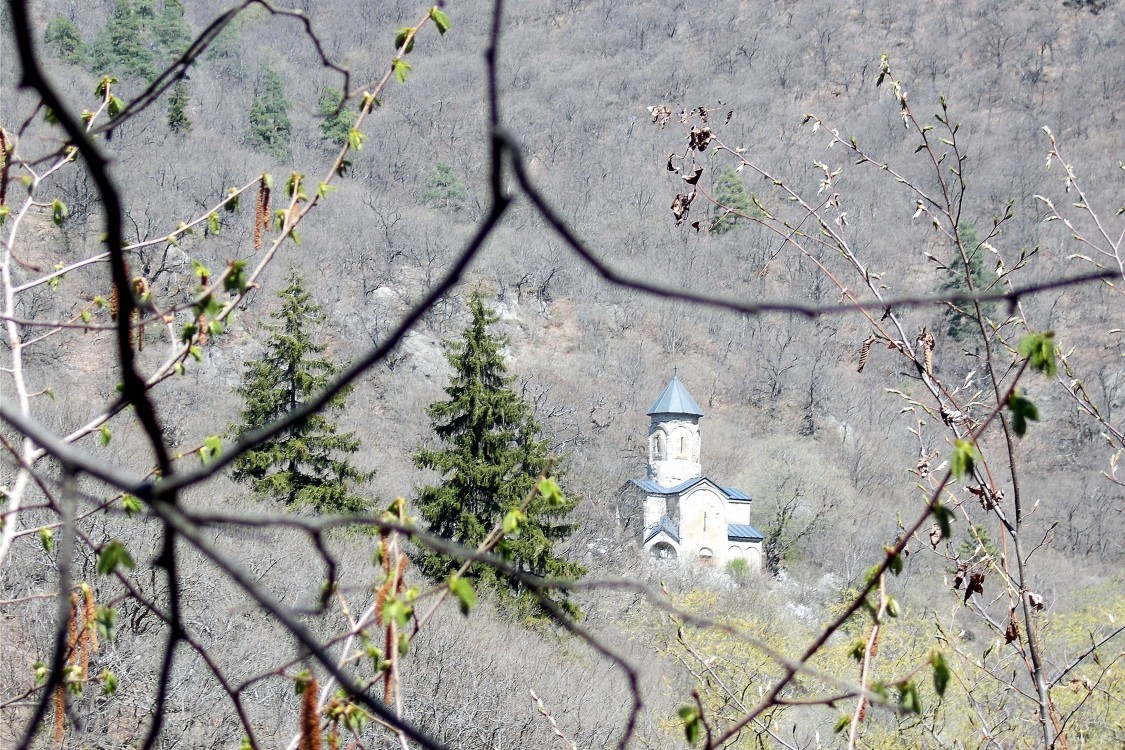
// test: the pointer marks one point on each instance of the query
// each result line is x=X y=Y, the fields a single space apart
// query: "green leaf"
x=131 y=504
x=196 y=353
x=210 y=448
x=964 y=458
x=106 y=619
x=235 y=280
x=894 y=561
x=106 y=435
x=909 y=698
x=397 y=611
x=401 y=68
x=58 y=212
x=1039 y=349
x=403 y=645
x=693 y=723
x=4 y=211
x=47 y=539
x=103 y=86
x=512 y=521
x=355 y=139
x=213 y=222
x=109 y=682
x=941 y=672
x=112 y=555
x=401 y=36
x=40 y=672
x=441 y=20
x=464 y=592
x=842 y=723
x=858 y=649
x=892 y=606
x=1022 y=411
x=552 y=493
x=85 y=315
x=323 y=188
x=231 y=203
x=116 y=106
x=944 y=517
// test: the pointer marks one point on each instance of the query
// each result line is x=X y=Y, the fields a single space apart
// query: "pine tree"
x=307 y=464
x=336 y=123
x=961 y=322
x=171 y=35
x=178 y=121
x=121 y=47
x=270 y=127
x=64 y=39
x=731 y=192
x=443 y=189
x=490 y=458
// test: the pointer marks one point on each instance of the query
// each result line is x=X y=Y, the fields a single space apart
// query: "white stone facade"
x=684 y=515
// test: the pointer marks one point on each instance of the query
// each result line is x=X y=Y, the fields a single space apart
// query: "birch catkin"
x=310 y=718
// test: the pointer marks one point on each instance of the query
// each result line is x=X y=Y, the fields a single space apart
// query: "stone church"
x=677 y=513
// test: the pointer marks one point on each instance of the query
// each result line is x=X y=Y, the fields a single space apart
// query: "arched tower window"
x=658 y=446
x=684 y=452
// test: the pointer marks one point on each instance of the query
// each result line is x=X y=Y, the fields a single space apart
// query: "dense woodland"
x=811 y=125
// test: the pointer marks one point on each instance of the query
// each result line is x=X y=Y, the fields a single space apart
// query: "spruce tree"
x=443 y=189
x=490 y=457
x=64 y=39
x=171 y=34
x=270 y=127
x=730 y=191
x=308 y=463
x=178 y=121
x=337 y=119
x=960 y=320
x=121 y=47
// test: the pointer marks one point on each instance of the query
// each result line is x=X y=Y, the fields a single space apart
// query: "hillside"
x=940 y=170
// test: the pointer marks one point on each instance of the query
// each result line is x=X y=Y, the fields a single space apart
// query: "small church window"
x=658 y=446
x=683 y=446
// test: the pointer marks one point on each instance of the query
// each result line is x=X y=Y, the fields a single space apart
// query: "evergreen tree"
x=307 y=464
x=961 y=323
x=731 y=192
x=443 y=189
x=270 y=128
x=121 y=47
x=336 y=123
x=178 y=121
x=64 y=39
x=171 y=34
x=490 y=457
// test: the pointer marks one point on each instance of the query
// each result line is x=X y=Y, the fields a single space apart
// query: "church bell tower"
x=673 y=436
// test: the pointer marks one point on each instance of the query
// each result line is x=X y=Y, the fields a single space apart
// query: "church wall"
x=703 y=524
x=655 y=508
x=738 y=512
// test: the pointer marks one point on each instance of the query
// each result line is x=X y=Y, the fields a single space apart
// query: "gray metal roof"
x=653 y=488
x=668 y=527
x=735 y=494
x=743 y=532
x=676 y=400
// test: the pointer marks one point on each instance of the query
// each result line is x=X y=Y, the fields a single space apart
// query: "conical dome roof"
x=676 y=400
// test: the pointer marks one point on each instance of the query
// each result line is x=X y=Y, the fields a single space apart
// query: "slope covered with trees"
x=928 y=417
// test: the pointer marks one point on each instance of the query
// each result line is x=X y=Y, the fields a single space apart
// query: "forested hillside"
x=880 y=244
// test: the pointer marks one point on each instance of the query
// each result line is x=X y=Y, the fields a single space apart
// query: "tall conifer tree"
x=307 y=464
x=490 y=457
